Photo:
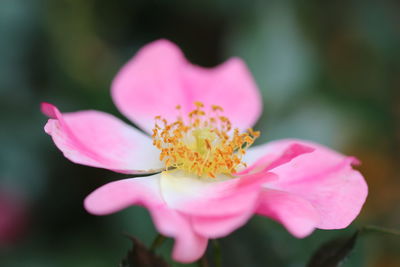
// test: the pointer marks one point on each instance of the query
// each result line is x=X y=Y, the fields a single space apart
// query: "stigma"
x=202 y=144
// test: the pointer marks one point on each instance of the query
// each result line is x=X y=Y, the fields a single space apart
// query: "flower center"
x=202 y=144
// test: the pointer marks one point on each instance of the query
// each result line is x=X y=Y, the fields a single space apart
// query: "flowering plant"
x=204 y=179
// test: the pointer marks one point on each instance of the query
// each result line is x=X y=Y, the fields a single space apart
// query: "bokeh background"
x=329 y=71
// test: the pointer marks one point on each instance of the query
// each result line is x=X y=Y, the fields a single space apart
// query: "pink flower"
x=13 y=218
x=300 y=184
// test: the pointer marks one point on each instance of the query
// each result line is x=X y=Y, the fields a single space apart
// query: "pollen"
x=202 y=143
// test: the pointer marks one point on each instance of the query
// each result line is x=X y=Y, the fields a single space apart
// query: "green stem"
x=158 y=240
x=217 y=253
x=378 y=229
x=203 y=262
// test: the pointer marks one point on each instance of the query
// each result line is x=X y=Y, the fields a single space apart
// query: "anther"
x=205 y=145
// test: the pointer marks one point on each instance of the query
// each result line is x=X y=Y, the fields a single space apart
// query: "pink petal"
x=220 y=226
x=189 y=246
x=295 y=213
x=271 y=155
x=14 y=218
x=326 y=179
x=216 y=208
x=145 y=191
x=337 y=192
x=159 y=78
x=118 y=195
x=100 y=140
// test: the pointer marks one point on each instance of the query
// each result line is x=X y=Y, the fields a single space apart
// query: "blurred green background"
x=328 y=71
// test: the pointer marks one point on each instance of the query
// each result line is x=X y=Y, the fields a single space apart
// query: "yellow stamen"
x=205 y=145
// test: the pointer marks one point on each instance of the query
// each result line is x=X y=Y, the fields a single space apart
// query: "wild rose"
x=13 y=217
x=206 y=181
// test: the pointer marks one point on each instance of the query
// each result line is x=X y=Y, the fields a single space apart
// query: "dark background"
x=328 y=72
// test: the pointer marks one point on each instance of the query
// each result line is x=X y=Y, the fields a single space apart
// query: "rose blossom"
x=205 y=181
x=13 y=217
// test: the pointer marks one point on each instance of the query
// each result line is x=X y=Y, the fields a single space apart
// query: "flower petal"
x=326 y=179
x=145 y=191
x=159 y=78
x=14 y=217
x=337 y=192
x=99 y=139
x=217 y=207
x=297 y=214
x=211 y=196
x=271 y=155
x=220 y=226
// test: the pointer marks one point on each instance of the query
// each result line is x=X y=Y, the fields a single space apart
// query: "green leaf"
x=334 y=252
x=140 y=256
